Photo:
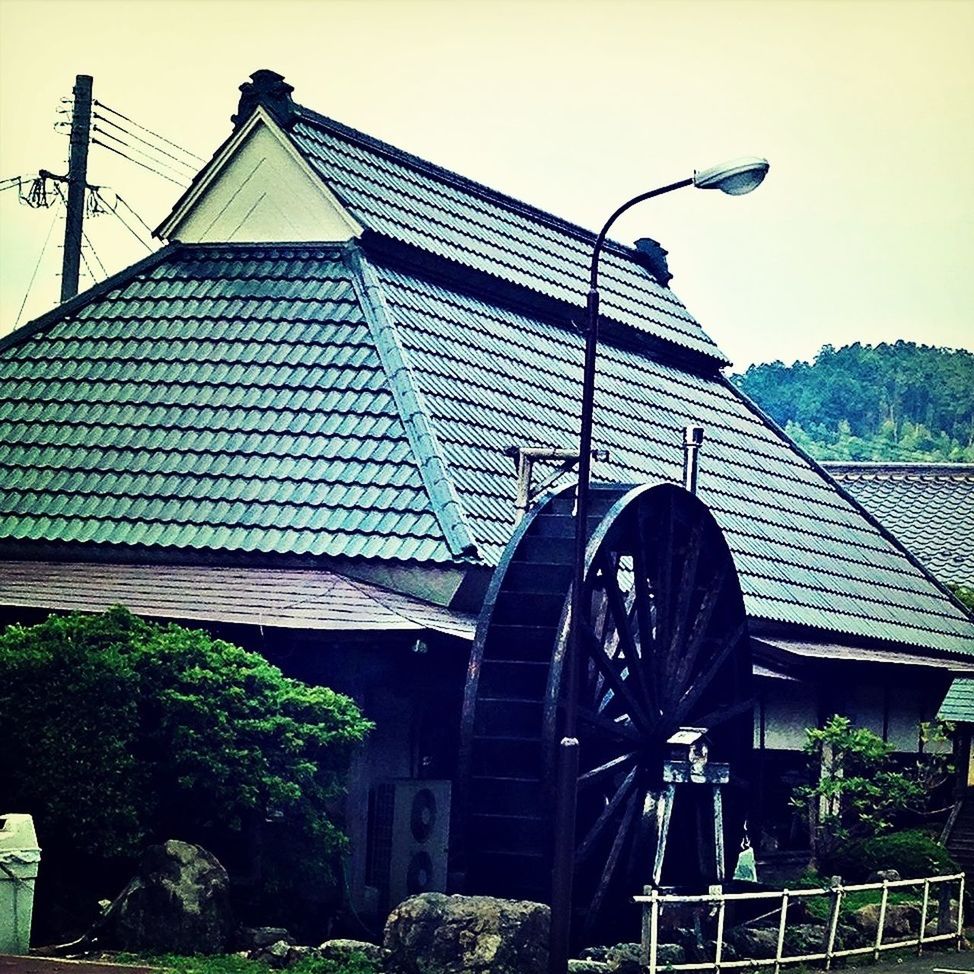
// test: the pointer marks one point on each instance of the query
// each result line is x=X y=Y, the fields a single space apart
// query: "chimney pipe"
x=692 y=438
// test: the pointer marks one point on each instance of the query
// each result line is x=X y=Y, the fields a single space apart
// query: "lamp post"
x=735 y=178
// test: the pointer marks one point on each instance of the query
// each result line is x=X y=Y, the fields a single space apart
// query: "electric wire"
x=118 y=152
x=132 y=135
x=13 y=182
x=129 y=208
x=164 y=168
x=33 y=276
x=114 y=211
x=162 y=138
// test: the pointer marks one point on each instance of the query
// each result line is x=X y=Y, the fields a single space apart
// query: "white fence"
x=937 y=891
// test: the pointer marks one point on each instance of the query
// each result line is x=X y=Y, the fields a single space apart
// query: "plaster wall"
x=264 y=195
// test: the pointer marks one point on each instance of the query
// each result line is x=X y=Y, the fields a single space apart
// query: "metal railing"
x=949 y=922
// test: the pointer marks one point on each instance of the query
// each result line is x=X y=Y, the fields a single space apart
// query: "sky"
x=863 y=230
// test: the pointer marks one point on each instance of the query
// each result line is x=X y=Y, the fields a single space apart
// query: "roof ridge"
x=60 y=311
x=471 y=185
x=412 y=408
x=872 y=467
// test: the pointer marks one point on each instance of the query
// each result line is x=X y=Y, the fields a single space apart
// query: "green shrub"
x=912 y=854
x=119 y=732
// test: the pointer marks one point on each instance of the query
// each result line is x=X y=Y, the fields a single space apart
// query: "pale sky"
x=863 y=230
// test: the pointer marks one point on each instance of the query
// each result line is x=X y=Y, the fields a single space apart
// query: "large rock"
x=178 y=902
x=901 y=920
x=437 y=934
x=347 y=952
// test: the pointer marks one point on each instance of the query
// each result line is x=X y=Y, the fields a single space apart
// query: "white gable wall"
x=261 y=191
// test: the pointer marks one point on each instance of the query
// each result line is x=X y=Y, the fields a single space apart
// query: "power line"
x=136 y=215
x=33 y=276
x=132 y=135
x=118 y=152
x=165 y=168
x=144 y=129
x=114 y=211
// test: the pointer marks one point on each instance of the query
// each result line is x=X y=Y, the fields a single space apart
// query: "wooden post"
x=782 y=925
x=77 y=184
x=960 y=912
x=882 y=920
x=833 y=925
x=653 y=929
x=923 y=916
x=721 y=913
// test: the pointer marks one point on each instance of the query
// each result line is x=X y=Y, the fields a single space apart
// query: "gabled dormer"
x=258 y=188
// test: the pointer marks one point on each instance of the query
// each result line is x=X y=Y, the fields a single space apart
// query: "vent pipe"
x=692 y=439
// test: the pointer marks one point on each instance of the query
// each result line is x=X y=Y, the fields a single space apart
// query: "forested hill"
x=884 y=402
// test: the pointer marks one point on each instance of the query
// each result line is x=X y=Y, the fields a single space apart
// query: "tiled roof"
x=493 y=377
x=410 y=200
x=335 y=401
x=223 y=398
x=959 y=702
x=284 y=598
x=928 y=506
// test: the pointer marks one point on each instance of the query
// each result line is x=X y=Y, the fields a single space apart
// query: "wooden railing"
x=950 y=923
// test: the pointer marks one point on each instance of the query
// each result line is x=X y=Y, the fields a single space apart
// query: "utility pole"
x=77 y=184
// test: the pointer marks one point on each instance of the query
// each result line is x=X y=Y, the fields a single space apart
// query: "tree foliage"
x=898 y=401
x=858 y=791
x=118 y=732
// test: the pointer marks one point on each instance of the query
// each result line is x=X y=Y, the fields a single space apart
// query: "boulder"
x=587 y=966
x=438 y=934
x=625 y=958
x=346 y=951
x=178 y=902
x=277 y=955
x=884 y=876
x=753 y=943
x=902 y=919
x=254 y=938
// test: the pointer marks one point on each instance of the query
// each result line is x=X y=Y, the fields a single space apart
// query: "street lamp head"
x=737 y=177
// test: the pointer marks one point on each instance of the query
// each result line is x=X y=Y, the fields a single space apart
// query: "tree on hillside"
x=898 y=401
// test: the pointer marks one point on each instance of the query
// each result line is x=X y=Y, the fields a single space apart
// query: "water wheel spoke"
x=707 y=676
x=620 y=728
x=701 y=626
x=684 y=601
x=610 y=767
x=621 y=609
x=663 y=576
x=605 y=880
x=602 y=822
x=614 y=679
x=720 y=715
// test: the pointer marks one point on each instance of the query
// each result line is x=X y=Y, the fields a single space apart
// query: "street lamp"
x=736 y=178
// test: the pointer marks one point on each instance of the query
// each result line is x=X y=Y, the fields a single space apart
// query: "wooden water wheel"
x=666 y=647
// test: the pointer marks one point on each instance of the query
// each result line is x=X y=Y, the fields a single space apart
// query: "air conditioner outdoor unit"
x=410 y=838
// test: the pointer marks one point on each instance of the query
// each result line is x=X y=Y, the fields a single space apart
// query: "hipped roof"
x=356 y=400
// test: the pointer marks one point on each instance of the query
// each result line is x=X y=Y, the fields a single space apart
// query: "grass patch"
x=232 y=964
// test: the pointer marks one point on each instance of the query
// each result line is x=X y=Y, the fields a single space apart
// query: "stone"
x=587 y=966
x=625 y=958
x=593 y=953
x=343 y=951
x=884 y=876
x=902 y=919
x=253 y=938
x=668 y=954
x=438 y=934
x=753 y=943
x=178 y=902
x=276 y=955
